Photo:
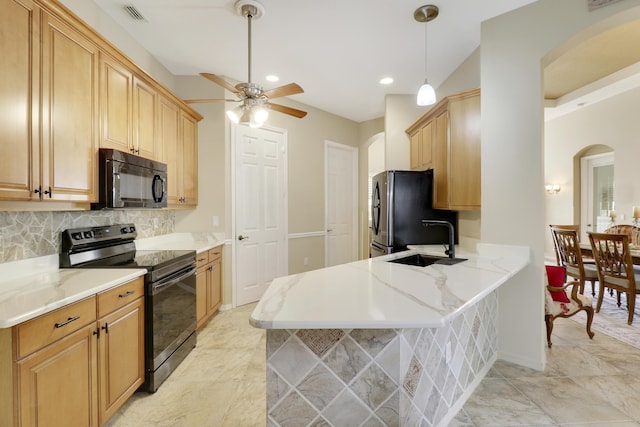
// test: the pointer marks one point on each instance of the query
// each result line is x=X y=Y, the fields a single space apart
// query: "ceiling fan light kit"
x=427 y=13
x=255 y=106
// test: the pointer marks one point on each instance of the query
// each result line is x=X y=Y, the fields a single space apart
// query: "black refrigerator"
x=399 y=202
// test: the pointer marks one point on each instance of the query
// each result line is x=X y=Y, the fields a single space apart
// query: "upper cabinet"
x=179 y=132
x=49 y=102
x=65 y=92
x=454 y=128
x=129 y=110
x=421 y=147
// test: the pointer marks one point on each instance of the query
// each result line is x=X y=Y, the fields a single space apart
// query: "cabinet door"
x=189 y=134
x=202 y=280
x=58 y=384
x=19 y=90
x=145 y=100
x=464 y=165
x=415 y=140
x=426 y=146
x=215 y=286
x=441 y=162
x=169 y=118
x=69 y=112
x=120 y=356
x=116 y=84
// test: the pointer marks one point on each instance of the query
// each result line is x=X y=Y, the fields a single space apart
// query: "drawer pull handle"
x=66 y=322
x=201 y=259
x=126 y=294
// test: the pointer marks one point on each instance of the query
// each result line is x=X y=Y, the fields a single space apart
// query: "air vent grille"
x=133 y=12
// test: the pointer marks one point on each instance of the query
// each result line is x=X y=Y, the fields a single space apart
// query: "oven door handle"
x=171 y=280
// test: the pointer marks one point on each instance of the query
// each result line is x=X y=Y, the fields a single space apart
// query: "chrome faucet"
x=451 y=251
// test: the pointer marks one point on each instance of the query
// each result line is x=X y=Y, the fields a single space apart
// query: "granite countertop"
x=374 y=293
x=41 y=290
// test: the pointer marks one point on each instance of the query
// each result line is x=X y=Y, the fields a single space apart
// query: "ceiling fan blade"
x=208 y=101
x=287 y=110
x=286 y=90
x=220 y=81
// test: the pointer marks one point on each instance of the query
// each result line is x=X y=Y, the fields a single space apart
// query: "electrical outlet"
x=155 y=222
x=447 y=352
x=216 y=220
x=305 y=261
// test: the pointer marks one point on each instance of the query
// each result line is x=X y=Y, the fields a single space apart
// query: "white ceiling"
x=337 y=50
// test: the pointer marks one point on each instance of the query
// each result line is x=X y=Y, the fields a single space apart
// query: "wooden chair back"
x=615 y=266
x=555 y=242
x=568 y=251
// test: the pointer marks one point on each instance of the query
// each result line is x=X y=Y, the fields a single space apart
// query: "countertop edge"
x=29 y=315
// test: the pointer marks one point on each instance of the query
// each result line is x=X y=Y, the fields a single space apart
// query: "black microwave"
x=129 y=181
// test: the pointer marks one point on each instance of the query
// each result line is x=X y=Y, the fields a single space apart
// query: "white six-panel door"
x=260 y=206
x=341 y=218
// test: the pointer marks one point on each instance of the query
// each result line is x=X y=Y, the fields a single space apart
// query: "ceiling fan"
x=255 y=100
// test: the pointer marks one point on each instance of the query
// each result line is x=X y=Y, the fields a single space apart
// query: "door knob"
x=329 y=230
x=241 y=237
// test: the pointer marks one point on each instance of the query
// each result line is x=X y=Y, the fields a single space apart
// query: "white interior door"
x=341 y=174
x=597 y=193
x=260 y=203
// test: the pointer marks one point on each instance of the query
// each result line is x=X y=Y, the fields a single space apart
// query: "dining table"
x=587 y=252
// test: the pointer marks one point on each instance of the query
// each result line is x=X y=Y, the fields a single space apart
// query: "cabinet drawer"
x=215 y=253
x=202 y=258
x=43 y=330
x=120 y=296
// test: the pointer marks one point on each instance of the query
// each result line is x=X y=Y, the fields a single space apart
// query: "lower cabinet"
x=77 y=365
x=208 y=284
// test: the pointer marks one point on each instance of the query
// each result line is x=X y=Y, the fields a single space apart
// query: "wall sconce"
x=552 y=188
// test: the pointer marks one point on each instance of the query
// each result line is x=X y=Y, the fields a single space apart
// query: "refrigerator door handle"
x=375 y=210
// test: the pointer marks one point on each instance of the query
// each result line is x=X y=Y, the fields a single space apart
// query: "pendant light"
x=426 y=94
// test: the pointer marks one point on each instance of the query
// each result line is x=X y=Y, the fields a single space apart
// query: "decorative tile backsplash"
x=377 y=377
x=33 y=234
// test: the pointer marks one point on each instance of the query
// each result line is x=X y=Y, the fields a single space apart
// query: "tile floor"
x=591 y=383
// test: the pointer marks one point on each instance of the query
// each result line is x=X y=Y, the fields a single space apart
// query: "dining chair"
x=615 y=268
x=575 y=227
x=570 y=256
x=558 y=304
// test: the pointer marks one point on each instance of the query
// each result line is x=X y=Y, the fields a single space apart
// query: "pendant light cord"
x=249 y=17
x=425 y=52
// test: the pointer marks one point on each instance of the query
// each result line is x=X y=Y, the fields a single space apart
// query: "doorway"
x=597 y=193
x=341 y=203
x=260 y=216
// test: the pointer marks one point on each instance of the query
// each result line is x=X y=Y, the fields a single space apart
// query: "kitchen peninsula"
x=383 y=342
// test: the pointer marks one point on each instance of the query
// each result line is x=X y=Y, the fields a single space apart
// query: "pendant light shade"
x=426 y=94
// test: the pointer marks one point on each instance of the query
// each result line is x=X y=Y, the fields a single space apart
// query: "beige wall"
x=612 y=122
x=513 y=51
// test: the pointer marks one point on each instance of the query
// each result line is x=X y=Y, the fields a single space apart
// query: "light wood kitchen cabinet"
x=76 y=365
x=56 y=367
x=49 y=146
x=455 y=122
x=64 y=92
x=120 y=345
x=179 y=132
x=19 y=162
x=421 y=147
x=128 y=110
x=208 y=284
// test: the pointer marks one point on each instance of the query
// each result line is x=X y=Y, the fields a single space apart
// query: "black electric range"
x=170 y=290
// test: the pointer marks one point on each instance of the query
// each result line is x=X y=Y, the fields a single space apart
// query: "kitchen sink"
x=425 y=260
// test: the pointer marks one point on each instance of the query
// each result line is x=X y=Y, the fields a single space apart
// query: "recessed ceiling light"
x=272 y=78
x=386 y=81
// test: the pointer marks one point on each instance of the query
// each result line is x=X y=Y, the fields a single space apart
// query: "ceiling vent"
x=133 y=12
